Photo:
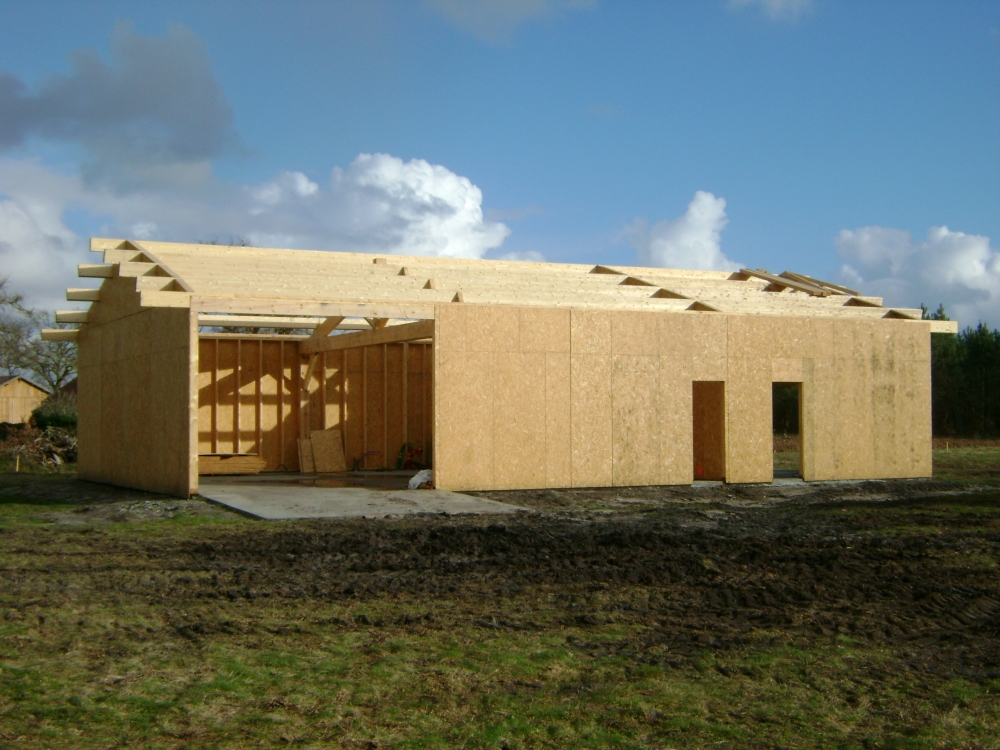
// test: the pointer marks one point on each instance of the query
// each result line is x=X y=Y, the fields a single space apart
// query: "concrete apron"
x=275 y=502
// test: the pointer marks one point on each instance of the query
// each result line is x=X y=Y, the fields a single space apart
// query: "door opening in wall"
x=709 y=421
x=786 y=404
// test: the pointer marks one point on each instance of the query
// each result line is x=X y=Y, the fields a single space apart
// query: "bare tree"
x=22 y=350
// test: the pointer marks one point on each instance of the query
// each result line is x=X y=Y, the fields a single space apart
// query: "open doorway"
x=709 y=418
x=786 y=405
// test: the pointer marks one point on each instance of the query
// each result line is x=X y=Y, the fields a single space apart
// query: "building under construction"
x=501 y=374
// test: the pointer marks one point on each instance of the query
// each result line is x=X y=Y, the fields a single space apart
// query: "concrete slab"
x=273 y=501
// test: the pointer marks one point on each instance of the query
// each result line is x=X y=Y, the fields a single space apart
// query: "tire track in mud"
x=684 y=579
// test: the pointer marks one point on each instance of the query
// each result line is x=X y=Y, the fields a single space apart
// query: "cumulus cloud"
x=960 y=270
x=379 y=203
x=154 y=115
x=494 y=20
x=778 y=10
x=690 y=241
x=151 y=124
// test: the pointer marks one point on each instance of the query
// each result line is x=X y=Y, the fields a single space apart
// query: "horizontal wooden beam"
x=95 y=271
x=942 y=326
x=818 y=282
x=410 y=332
x=83 y=295
x=285 y=321
x=414 y=311
x=253 y=336
x=71 y=316
x=60 y=334
x=812 y=289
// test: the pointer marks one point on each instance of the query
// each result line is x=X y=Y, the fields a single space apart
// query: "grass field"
x=735 y=619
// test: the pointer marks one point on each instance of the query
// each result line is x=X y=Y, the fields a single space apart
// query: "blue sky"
x=854 y=141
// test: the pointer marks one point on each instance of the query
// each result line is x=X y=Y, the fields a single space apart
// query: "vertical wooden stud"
x=364 y=404
x=215 y=400
x=257 y=406
x=236 y=408
x=322 y=390
x=281 y=403
x=385 y=405
x=406 y=360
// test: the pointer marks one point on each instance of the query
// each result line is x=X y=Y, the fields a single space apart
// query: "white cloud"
x=532 y=255
x=960 y=270
x=690 y=241
x=494 y=20
x=778 y=10
x=379 y=203
x=153 y=115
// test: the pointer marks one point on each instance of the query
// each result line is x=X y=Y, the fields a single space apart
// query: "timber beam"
x=423 y=329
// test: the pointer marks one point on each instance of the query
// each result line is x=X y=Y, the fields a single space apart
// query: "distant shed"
x=18 y=398
x=503 y=374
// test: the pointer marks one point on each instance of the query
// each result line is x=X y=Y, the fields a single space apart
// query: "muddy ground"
x=909 y=566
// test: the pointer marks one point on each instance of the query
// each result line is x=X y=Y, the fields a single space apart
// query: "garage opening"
x=709 y=412
x=786 y=404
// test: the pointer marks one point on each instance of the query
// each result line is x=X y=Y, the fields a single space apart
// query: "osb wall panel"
x=136 y=421
x=250 y=399
x=611 y=402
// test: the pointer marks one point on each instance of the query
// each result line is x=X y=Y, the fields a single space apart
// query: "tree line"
x=965 y=380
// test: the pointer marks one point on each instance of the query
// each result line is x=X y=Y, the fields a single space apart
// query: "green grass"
x=448 y=687
x=980 y=465
x=87 y=661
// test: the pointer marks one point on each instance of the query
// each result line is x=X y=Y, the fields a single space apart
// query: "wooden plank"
x=809 y=288
x=306 y=461
x=943 y=326
x=82 y=295
x=230 y=464
x=385 y=404
x=237 y=395
x=818 y=282
x=60 y=334
x=71 y=316
x=184 y=286
x=215 y=399
x=410 y=332
x=95 y=271
x=328 y=325
x=279 y=321
x=252 y=305
x=328 y=451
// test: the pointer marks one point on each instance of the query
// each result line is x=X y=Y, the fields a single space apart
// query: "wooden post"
x=260 y=380
x=281 y=403
x=406 y=359
x=364 y=404
x=322 y=390
x=385 y=406
x=237 y=374
x=423 y=399
x=215 y=400
x=343 y=396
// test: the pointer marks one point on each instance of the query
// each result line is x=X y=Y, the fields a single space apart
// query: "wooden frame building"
x=503 y=374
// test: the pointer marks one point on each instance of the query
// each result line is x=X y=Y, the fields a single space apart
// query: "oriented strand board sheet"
x=518 y=434
x=230 y=464
x=306 y=461
x=327 y=451
x=138 y=392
